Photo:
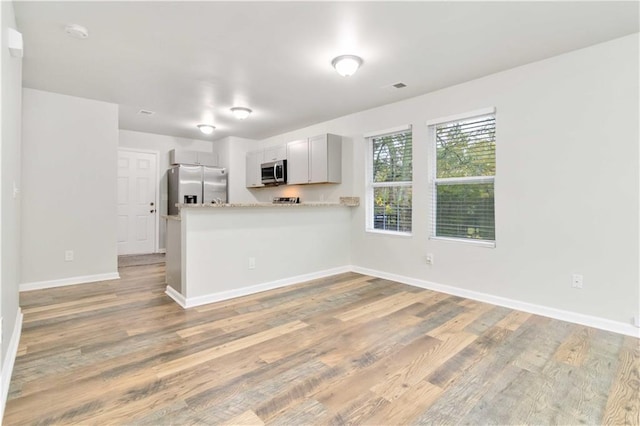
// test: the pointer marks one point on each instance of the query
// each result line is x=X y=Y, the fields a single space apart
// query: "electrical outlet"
x=576 y=281
x=68 y=255
x=252 y=263
x=429 y=259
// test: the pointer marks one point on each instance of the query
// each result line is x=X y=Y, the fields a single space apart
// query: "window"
x=389 y=181
x=464 y=152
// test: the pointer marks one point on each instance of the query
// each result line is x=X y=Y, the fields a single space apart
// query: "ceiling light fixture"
x=347 y=65
x=240 y=112
x=207 y=129
x=76 y=31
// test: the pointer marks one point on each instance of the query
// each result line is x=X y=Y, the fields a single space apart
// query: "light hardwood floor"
x=349 y=349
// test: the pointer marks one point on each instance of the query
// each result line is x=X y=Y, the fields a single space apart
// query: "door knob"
x=151 y=211
x=151 y=203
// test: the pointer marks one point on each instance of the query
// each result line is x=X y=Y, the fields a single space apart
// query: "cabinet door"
x=207 y=159
x=177 y=156
x=274 y=153
x=318 y=159
x=253 y=175
x=298 y=162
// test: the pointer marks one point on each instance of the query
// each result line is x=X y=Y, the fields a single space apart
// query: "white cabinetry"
x=274 y=153
x=179 y=156
x=298 y=162
x=253 y=173
x=256 y=158
x=315 y=160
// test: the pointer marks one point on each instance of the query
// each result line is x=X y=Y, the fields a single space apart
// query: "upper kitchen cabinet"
x=255 y=160
x=253 y=175
x=275 y=153
x=179 y=156
x=315 y=160
x=298 y=162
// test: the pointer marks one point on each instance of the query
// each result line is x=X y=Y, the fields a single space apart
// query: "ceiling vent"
x=399 y=85
x=145 y=112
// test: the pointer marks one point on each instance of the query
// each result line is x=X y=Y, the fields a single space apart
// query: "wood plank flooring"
x=348 y=349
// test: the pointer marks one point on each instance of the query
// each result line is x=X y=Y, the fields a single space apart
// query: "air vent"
x=145 y=112
x=399 y=85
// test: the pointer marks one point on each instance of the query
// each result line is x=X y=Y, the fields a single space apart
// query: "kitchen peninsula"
x=220 y=251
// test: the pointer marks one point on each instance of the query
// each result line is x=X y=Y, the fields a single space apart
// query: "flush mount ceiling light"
x=76 y=31
x=347 y=65
x=240 y=112
x=207 y=129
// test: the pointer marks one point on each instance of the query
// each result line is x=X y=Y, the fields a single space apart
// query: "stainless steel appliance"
x=274 y=172
x=195 y=185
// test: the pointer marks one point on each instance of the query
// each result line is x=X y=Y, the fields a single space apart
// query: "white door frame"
x=156 y=247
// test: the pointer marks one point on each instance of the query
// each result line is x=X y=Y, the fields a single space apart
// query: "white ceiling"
x=191 y=61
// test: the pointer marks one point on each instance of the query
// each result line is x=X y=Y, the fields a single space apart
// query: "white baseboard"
x=163 y=250
x=176 y=296
x=9 y=361
x=39 y=285
x=559 y=314
x=190 y=302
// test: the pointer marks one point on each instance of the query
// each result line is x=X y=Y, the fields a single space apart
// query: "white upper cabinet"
x=179 y=156
x=207 y=159
x=274 y=153
x=315 y=160
x=255 y=160
x=325 y=159
x=298 y=162
x=253 y=172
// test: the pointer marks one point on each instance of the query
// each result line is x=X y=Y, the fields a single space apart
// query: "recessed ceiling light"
x=399 y=85
x=146 y=112
x=207 y=129
x=240 y=112
x=347 y=65
x=77 y=31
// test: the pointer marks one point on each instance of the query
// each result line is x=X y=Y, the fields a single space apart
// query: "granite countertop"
x=344 y=202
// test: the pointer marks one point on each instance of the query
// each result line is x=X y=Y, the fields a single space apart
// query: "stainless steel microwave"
x=274 y=172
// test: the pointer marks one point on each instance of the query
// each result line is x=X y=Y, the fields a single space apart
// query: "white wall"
x=567 y=184
x=69 y=150
x=10 y=114
x=162 y=145
x=233 y=156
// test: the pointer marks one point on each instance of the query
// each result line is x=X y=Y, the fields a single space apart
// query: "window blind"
x=464 y=179
x=466 y=148
x=392 y=158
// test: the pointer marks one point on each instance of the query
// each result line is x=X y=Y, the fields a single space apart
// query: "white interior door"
x=137 y=204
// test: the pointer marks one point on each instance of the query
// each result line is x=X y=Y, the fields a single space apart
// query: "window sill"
x=469 y=241
x=393 y=233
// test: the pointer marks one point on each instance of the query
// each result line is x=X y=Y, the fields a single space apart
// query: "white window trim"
x=370 y=185
x=390 y=233
x=470 y=241
x=385 y=132
x=463 y=116
x=433 y=181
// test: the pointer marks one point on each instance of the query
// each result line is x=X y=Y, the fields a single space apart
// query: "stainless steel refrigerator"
x=195 y=184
